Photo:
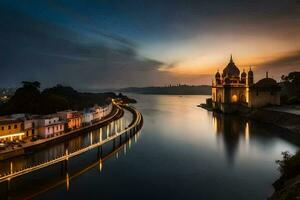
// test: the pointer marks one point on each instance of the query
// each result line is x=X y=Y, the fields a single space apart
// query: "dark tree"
x=291 y=88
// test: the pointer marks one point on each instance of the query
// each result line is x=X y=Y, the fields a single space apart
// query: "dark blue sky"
x=99 y=44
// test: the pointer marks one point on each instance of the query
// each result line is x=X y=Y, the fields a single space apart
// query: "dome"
x=266 y=82
x=231 y=70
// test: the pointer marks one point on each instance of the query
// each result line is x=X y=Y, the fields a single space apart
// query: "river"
x=182 y=152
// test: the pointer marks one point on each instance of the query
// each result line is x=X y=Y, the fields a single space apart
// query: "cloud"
x=281 y=65
x=43 y=51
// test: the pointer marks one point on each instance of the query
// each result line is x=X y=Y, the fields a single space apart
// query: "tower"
x=243 y=77
x=218 y=78
x=250 y=77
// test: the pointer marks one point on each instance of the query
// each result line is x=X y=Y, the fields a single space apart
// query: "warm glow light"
x=129 y=146
x=214 y=120
x=247 y=95
x=100 y=165
x=234 y=98
x=100 y=135
x=11 y=167
x=247 y=133
x=12 y=135
x=67 y=182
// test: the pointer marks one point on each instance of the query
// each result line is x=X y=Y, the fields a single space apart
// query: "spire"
x=267 y=74
x=231 y=58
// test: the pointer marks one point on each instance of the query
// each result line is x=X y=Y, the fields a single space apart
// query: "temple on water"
x=233 y=90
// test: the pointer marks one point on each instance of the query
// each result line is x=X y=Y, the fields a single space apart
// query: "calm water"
x=182 y=152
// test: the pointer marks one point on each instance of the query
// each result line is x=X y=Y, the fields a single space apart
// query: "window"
x=2 y=128
x=9 y=127
x=15 y=126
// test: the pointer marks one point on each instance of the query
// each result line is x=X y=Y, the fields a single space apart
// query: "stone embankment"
x=282 y=119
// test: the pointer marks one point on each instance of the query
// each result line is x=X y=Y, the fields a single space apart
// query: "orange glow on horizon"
x=211 y=65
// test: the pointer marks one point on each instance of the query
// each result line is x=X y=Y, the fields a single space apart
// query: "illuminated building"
x=96 y=113
x=50 y=126
x=73 y=118
x=231 y=91
x=11 y=129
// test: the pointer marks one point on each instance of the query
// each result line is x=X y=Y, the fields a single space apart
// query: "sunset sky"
x=110 y=44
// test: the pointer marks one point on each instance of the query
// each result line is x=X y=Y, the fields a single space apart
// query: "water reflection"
x=64 y=148
x=231 y=132
x=67 y=173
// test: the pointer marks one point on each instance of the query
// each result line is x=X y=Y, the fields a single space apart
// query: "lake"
x=182 y=152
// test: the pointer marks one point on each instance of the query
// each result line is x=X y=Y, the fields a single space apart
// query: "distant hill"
x=171 y=90
x=30 y=99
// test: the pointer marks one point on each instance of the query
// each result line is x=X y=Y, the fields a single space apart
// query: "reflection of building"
x=232 y=90
x=230 y=130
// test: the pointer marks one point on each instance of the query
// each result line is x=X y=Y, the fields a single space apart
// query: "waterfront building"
x=233 y=91
x=107 y=109
x=50 y=126
x=96 y=113
x=11 y=129
x=87 y=116
x=72 y=118
x=31 y=125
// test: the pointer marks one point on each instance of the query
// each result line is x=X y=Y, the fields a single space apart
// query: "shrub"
x=289 y=166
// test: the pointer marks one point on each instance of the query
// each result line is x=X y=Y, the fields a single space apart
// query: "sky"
x=92 y=45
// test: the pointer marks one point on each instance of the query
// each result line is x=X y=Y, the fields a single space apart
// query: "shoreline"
x=283 y=189
x=281 y=119
x=116 y=113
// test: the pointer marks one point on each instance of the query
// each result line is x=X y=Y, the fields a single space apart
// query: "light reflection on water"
x=185 y=153
x=69 y=146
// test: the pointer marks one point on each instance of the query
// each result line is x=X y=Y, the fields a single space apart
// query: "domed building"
x=232 y=91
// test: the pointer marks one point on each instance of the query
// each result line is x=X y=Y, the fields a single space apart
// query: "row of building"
x=23 y=126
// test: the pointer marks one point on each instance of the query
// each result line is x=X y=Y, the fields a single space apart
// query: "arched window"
x=234 y=98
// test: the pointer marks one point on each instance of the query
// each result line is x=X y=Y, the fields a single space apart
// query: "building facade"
x=232 y=90
x=96 y=113
x=31 y=127
x=11 y=129
x=50 y=126
x=73 y=118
